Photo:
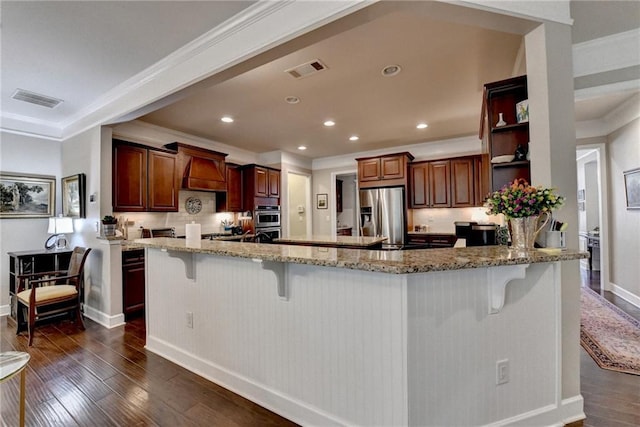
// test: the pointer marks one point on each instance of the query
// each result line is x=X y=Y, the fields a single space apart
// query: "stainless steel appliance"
x=266 y=216
x=476 y=234
x=382 y=214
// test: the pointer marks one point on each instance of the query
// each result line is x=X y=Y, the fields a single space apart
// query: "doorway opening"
x=346 y=205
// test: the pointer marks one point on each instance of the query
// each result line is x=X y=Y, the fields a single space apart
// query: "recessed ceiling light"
x=354 y=138
x=292 y=99
x=329 y=123
x=227 y=119
x=391 y=70
x=302 y=148
x=422 y=126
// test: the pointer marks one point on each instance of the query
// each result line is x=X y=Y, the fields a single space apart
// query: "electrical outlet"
x=190 y=319
x=502 y=371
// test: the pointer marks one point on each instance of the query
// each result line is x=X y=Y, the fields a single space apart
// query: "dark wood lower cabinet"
x=133 y=282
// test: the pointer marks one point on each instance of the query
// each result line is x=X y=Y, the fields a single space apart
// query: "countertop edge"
x=392 y=262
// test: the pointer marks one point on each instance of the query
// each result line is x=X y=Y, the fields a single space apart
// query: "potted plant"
x=109 y=225
x=523 y=205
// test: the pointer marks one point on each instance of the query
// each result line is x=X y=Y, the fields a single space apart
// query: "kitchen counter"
x=354 y=242
x=396 y=262
x=323 y=319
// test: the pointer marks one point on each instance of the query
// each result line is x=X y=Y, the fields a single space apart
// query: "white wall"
x=624 y=154
x=297 y=191
x=28 y=155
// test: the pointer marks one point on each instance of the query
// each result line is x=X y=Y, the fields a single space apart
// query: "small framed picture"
x=322 y=201
x=522 y=111
x=73 y=196
x=632 y=188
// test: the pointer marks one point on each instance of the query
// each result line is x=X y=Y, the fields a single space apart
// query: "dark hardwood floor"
x=104 y=377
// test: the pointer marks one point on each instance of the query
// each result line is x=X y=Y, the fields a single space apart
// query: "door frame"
x=603 y=196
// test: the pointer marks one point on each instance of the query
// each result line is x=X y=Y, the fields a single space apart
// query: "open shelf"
x=511 y=164
x=511 y=127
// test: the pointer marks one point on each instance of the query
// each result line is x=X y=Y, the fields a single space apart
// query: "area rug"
x=608 y=334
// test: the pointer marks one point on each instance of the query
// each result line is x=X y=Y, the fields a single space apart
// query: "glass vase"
x=525 y=230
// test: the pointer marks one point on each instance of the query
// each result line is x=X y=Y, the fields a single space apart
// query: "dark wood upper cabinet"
x=457 y=182
x=274 y=182
x=231 y=200
x=129 y=177
x=440 y=184
x=462 y=188
x=261 y=186
x=384 y=171
x=144 y=179
x=419 y=185
x=162 y=191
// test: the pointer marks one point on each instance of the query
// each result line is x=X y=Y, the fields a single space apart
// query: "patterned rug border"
x=595 y=350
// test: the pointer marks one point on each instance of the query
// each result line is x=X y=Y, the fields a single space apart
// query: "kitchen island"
x=334 y=336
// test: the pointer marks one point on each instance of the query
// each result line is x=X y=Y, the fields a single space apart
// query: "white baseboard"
x=625 y=294
x=569 y=410
x=5 y=310
x=103 y=318
x=284 y=405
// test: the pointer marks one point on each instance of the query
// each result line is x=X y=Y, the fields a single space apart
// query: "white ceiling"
x=80 y=51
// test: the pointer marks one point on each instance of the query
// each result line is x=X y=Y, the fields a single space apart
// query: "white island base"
x=352 y=347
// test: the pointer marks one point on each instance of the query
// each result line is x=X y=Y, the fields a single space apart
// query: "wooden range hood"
x=200 y=169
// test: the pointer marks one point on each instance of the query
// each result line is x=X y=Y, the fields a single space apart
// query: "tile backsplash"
x=442 y=220
x=207 y=217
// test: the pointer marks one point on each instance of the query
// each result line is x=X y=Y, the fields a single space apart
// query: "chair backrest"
x=76 y=265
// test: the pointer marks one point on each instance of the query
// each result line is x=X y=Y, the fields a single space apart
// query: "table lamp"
x=58 y=227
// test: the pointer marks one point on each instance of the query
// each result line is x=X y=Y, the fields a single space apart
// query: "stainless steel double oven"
x=266 y=220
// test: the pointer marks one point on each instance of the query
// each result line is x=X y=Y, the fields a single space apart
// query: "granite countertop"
x=396 y=262
x=333 y=241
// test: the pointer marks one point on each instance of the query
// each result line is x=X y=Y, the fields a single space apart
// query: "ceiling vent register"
x=306 y=69
x=36 y=98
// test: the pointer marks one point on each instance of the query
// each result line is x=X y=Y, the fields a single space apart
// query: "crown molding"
x=29 y=126
x=608 y=53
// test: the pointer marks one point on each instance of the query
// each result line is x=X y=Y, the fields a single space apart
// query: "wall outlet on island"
x=189 y=318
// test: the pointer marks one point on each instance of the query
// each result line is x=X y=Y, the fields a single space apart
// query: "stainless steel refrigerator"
x=382 y=213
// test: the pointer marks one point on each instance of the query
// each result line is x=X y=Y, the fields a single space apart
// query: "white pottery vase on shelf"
x=501 y=121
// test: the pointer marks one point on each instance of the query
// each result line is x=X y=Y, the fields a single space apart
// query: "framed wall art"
x=27 y=196
x=322 y=201
x=632 y=188
x=73 y=196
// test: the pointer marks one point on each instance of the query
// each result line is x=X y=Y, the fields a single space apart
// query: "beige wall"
x=624 y=154
x=297 y=197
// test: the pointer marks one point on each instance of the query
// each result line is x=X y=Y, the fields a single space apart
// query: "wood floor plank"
x=123 y=412
x=81 y=408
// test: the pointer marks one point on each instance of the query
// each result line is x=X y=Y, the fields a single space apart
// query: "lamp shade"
x=60 y=225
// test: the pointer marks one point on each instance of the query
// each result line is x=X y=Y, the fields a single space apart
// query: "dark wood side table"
x=34 y=261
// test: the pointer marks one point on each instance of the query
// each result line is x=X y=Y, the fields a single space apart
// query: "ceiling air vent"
x=306 y=69
x=36 y=98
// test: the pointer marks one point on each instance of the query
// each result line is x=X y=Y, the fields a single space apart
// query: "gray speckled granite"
x=337 y=241
x=397 y=262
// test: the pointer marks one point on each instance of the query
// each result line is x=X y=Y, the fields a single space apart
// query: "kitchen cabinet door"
x=462 y=191
x=369 y=170
x=261 y=179
x=274 y=182
x=129 y=178
x=234 y=189
x=481 y=178
x=419 y=185
x=440 y=183
x=392 y=167
x=163 y=181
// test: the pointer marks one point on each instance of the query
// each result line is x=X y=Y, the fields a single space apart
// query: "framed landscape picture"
x=632 y=188
x=73 y=196
x=322 y=201
x=27 y=196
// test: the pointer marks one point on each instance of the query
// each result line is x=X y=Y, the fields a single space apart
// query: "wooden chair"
x=52 y=293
